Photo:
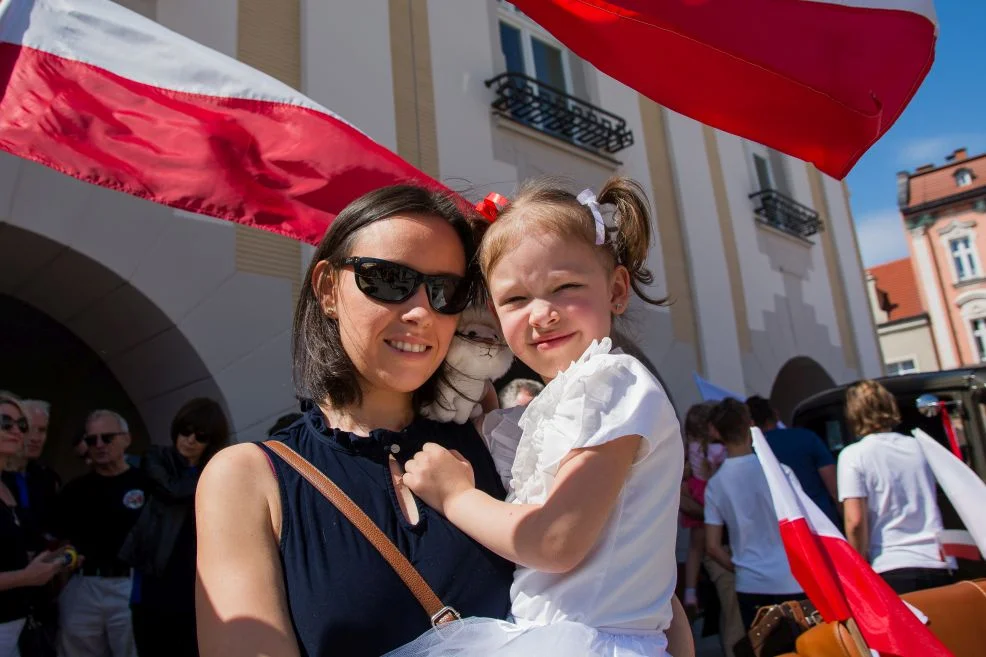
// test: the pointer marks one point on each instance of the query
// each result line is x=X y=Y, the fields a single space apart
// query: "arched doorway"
x=798 y=379
x=78 y=335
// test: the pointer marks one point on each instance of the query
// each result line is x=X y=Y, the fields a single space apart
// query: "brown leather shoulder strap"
x=438 y=612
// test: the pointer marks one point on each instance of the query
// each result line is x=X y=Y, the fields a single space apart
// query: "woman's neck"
x=378 y=410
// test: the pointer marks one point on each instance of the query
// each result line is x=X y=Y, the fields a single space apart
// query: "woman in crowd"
x=888 y=494
x=19 y=575
x=161 y=546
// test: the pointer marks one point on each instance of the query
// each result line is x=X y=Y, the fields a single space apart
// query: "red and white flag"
x=965 y=490
x=107 y=96
x=821 y=80
x=834 y=576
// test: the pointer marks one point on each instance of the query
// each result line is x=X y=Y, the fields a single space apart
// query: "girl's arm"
x=240 y=604
x=551 y=537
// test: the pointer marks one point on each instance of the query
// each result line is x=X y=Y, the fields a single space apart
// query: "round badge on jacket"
x=133 y=499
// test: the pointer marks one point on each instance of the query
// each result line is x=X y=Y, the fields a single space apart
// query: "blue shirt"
x=805 y=453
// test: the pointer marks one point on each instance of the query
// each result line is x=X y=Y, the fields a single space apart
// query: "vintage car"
x=922 y=398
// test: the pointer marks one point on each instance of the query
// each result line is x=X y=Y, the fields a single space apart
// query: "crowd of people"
x=888 y=509
x=104 y=565
x=549 y=519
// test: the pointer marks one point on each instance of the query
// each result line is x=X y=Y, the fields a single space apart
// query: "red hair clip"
x=491 y=206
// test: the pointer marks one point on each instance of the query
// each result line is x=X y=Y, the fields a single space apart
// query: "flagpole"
x=857 y=638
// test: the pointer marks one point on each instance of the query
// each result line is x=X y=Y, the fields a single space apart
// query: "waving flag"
x=835 y=577
x=821 y=80
x=964 y=489
x=105 y=95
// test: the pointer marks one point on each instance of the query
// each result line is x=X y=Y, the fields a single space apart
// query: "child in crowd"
x=705 y=453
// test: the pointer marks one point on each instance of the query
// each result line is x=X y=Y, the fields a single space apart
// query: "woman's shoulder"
x=237 y=468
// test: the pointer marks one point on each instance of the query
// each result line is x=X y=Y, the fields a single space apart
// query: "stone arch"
x=84 y=337
x=798 y=379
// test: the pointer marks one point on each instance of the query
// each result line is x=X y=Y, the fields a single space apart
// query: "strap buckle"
x=439 y=617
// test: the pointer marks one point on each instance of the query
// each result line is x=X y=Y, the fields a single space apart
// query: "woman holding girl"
x=282 y=572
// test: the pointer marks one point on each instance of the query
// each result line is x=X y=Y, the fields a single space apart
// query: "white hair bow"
x=588 y=198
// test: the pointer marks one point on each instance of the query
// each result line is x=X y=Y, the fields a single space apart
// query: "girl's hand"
x=436 y=475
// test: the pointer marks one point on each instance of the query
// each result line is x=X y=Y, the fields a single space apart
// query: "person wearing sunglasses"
x=372 y=326
x=95 y=513
x=19 y=574
x=161 y=547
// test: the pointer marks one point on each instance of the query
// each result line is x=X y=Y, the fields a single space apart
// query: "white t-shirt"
x=738 y=497
x=890 y=471
x=627 y=579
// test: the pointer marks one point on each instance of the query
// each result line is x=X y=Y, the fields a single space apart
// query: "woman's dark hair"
x=322 y=368
x=204 y=417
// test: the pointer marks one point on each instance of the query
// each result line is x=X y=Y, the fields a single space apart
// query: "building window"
x=906 y=366
x=963 y=177
x=529 y=50
x=963 y=258
x=765 y=177
x=978 y=327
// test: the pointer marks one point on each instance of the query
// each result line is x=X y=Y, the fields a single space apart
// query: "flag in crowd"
x=835 y=577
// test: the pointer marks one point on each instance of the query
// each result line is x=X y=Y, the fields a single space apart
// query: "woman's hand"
x=43 y=568
x=436 y=475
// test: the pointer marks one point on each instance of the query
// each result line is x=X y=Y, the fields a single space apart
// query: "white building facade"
x=169 y=306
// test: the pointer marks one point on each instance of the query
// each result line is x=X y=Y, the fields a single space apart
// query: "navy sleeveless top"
x=344 y=599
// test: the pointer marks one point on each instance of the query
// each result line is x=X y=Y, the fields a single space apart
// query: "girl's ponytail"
x=631 y=241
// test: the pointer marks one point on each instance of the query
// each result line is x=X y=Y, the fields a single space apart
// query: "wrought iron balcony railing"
x=554 y=112
x=780 y=211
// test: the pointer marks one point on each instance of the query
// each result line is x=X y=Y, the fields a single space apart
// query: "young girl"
x=593 y=463
x=705 y=454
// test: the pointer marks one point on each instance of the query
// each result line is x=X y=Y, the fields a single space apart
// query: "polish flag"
x=821 y=80
x=965 y=490
x=107 y=96
x=839 y=582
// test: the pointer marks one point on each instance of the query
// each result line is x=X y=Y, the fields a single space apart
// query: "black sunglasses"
x=200 y=436
x=106 y=438
x=394 y=283
x=7 y=422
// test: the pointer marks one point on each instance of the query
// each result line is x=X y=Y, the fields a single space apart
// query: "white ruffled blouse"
x=602 y=396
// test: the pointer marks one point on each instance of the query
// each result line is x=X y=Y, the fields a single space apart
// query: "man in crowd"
x=738 y=498
x=95 y=513
x=519 y=392
x=803 y=452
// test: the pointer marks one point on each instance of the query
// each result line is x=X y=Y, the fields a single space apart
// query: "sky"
x=948 y=112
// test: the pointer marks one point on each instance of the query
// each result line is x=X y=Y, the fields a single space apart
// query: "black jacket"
x=152 y=541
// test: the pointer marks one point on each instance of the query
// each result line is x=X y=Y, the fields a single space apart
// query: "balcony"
x=784 y=213
x=554 y=112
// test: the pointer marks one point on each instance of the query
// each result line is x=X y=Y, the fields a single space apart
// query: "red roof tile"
x=940 y=183
x=897 y=289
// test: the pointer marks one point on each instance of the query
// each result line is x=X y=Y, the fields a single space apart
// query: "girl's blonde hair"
x=870 y=408
x=544 y=204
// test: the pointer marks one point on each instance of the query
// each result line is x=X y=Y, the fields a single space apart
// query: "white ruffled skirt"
x=480 y=637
